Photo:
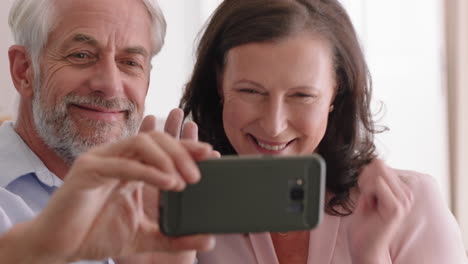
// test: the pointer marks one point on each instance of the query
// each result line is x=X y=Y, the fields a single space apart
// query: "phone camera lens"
x=297 y=194
x=296 y=208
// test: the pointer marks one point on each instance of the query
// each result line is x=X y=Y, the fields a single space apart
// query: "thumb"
x=366 y=203
x=148 y=124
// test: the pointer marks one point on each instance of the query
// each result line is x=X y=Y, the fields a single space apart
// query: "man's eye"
x=80 y=55
x=131 y=63
x=81 y=58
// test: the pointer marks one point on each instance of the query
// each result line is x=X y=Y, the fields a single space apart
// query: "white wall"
x=403 y=44
x=7 y=92
x=403 y=41
x=173 y=65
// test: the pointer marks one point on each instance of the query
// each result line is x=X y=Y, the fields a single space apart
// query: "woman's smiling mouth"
x=273 y=147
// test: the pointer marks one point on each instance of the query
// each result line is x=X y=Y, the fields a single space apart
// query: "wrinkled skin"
x=107 y=206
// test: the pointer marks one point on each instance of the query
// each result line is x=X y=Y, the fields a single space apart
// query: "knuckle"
x=378 y=163
x=181 y=156
x=161 y=135
x=84 y=160
x=141 y=140
x=400 y=209
x=85 y=163
x=408 y=202
x=366 y=181
x=395 y=211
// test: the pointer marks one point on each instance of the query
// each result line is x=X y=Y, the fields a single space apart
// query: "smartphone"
x=244 y=194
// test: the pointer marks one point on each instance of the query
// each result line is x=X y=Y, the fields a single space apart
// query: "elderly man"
x=76 y=180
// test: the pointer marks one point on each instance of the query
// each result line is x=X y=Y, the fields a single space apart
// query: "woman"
x=289 y=78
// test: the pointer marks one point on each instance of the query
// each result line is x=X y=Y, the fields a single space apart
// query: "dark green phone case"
x=248 y=194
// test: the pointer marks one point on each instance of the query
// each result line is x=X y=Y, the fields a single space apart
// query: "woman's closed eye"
x=304 y=95
x=303 y=98
x=250 y=91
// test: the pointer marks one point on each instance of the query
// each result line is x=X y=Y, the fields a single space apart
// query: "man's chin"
x=86 y=126
x=99 y=136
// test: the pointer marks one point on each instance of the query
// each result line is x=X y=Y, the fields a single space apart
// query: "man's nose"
x=275 y=118
x=107 y=79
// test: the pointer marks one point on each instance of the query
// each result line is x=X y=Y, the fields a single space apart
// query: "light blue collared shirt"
x=25 y=182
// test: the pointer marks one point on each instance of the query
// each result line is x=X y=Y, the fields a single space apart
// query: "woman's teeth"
x=270 y=147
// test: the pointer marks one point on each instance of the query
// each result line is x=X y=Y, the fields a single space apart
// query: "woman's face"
x=277 y=95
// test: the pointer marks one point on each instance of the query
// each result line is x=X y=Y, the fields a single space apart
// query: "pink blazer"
x=430 y=235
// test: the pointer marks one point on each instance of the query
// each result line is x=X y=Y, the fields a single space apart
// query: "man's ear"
x=21 y=70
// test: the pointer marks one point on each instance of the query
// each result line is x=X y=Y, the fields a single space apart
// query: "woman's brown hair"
x=348 y=143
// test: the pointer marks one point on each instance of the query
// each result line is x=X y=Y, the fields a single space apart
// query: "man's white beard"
x=60 y=132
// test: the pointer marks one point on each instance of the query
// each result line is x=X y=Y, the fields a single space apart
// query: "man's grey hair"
x=32 y=20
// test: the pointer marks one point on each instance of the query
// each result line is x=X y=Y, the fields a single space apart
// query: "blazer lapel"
x=323 y=239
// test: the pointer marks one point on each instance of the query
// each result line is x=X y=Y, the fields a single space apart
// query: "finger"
x=365 y=204
x=166 y=153
x=148 y=124
x=199 y=150
x=396 y=186
x=145 y=148
x=173 y=123
x=184 y=153
x=377 y=168
x=102 y=168
x=196 y=242
x=173 y=244
x=190 y=131
x=405 y=193
x=399 y=188
x=151 y=239
x=215 y=154
x=163 y=152
x=151 y=202
x=386 y=204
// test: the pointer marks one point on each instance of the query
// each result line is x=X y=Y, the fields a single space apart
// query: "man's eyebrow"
x=85 y=38
x=138 y=50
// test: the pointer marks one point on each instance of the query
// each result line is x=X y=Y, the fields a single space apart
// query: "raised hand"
x=383 y=203
x=174 y=126
x=189 y=131
x=100 y=208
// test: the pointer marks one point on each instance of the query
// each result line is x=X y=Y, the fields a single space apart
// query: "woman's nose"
x=275 y=118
